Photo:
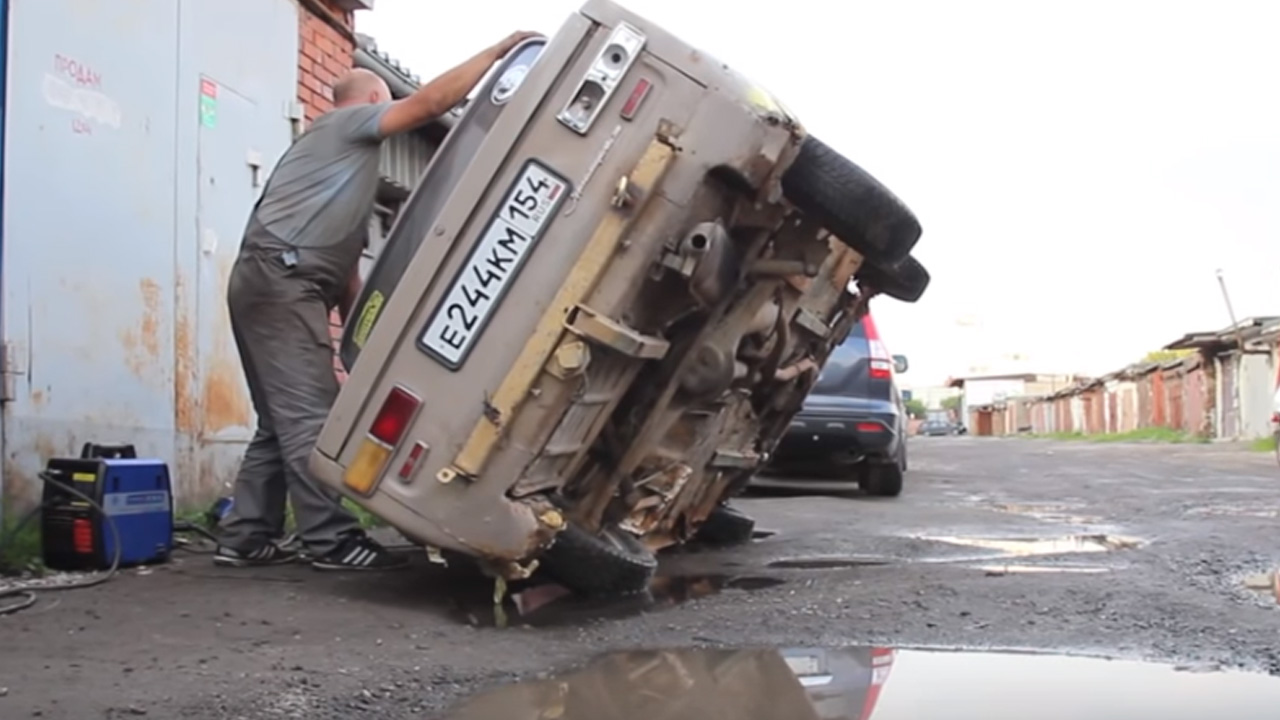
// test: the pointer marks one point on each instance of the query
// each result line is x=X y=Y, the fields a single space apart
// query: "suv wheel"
x=612 y=562
x=882 y=479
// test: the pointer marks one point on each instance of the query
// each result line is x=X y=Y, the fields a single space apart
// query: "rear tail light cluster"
x=389 y=426
x=601 y=80
x=881 y=362
x=393 y=418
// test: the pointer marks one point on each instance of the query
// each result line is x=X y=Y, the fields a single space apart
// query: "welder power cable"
x=28 y=593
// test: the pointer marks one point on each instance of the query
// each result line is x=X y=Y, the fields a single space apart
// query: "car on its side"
x=851 y=432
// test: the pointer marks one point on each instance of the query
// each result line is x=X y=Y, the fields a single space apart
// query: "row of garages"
x=1223 y=386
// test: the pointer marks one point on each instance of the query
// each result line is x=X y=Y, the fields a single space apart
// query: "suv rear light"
x=387 y=430
x=1275 y=417
x=880 y=362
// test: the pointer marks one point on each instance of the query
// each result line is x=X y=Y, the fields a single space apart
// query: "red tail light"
x=395 y=415
x=870 y=427
x=881 y=363
x=1275 y=417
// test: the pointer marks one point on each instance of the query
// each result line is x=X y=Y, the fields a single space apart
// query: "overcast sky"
x=1080 y=168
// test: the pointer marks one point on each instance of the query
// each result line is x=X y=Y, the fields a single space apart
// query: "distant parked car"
x=935 y=428
x=852 y=428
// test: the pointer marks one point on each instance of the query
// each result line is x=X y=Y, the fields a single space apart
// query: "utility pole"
x=1231 y=313
x=1236 y=400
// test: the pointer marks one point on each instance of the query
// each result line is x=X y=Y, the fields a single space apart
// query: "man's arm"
x=443 y=93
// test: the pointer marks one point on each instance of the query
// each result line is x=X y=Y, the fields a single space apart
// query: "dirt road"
x=1149 y=547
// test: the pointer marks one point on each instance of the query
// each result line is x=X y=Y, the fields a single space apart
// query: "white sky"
x=1080 y=168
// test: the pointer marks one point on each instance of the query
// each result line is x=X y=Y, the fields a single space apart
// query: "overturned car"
x=600 y=308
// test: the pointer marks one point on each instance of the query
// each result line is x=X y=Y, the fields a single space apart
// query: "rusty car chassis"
x=616 y=293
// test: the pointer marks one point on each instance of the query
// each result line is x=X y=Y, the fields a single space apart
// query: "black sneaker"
x=359 y=552
x=266 y=554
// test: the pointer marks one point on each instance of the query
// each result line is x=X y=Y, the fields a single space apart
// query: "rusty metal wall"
x=1173 y=393
x=137 y=175
x=1196 y=410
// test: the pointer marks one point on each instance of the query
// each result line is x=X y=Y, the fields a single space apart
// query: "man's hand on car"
x=446 y=91
x=512 y=40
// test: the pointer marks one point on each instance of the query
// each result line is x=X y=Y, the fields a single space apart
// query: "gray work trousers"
x=281 y=325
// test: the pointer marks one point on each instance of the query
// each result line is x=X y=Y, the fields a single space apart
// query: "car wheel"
x=849 y=202
x=882 y=479
x=905 y=281
x=611 y=562
x=725 y=526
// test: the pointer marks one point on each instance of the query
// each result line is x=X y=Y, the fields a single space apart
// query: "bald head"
x=359 y=87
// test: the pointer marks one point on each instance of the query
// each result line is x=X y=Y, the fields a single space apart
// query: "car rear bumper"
x=816 y=434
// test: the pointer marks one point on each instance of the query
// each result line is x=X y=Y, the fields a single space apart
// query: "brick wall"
x=324 y=54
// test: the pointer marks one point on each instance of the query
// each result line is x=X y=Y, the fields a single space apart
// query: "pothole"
x=549 y=604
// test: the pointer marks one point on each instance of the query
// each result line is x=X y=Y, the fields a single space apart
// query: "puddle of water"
x=827 y=563
x=549 y=604
x=1031 y=547
x=873 y=683
x=999 y=570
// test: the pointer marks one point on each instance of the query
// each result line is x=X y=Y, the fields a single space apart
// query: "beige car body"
x=577 y=346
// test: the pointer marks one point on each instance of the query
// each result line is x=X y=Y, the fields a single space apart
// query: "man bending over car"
x=298 y=260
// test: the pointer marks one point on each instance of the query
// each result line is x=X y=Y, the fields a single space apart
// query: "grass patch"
x=1141 y=435
x=1263 y=444
x=367 y=519
x=20 y=551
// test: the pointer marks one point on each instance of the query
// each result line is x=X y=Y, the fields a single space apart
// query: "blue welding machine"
x=136 y=496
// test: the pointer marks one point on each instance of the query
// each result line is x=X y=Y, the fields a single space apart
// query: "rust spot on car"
x=225 y=400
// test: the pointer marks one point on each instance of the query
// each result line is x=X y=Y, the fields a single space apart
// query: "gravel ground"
x=1154 y=548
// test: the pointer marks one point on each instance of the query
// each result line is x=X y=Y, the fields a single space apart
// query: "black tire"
x=849 y=202
x=905 y=281
x=725 y=526
x=882 y=479
x=613 y=562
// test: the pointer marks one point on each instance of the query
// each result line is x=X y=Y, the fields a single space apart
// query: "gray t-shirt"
x=321 y=192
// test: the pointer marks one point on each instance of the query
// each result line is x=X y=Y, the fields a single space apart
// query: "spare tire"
x=905 y=281
x=850 y=203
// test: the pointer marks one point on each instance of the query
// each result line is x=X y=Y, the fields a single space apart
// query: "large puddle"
x=874 y=683
x=544 y=604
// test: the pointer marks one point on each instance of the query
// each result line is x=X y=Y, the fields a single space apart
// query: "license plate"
x=508 y=239
x=804 y=665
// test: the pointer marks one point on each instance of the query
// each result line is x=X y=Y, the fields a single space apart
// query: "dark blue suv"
x=852 y=431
